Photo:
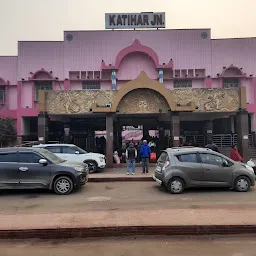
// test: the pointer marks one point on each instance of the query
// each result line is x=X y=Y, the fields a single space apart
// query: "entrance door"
x=214 y=171
x=33 y=174
x=9 y=170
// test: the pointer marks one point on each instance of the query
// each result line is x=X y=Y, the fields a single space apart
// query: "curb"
x=62 y=233
x=117 y=179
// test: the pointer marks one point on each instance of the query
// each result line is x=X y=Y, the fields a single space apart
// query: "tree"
x=8 y=133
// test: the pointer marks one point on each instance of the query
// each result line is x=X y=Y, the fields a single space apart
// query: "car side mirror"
x=43 y=161
x=225 y=164
x=77 y=152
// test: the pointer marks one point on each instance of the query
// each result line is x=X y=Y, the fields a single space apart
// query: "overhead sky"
x=46 y=20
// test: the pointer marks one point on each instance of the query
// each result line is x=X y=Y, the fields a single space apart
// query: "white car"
x=72 y=153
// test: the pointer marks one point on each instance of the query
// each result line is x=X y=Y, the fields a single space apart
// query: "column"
x=109 y=140
x=161 y=76
x=208 y=82
x=113 y=78
x=175 y=129
x=161 y=136
x=145 y=132
x=43 y=127
x=208 y=132
x=66 y=133
x=242 y=134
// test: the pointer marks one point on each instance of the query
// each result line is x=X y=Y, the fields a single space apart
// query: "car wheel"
x=242 y=184
x=63 y=185
x=92 y=166
x=176 y=185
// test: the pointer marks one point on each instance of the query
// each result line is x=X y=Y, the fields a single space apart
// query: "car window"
x=29 y=157
x=68 y=150
x=9 y=157
x=212 y=159
x=54 y=149
x=188 y=158
x=163 y=157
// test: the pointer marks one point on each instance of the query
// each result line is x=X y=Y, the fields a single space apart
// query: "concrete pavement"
x=125 y=208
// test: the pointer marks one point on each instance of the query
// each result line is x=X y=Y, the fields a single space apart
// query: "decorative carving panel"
x=76 y=102
x=208 y=100
x=143 y=101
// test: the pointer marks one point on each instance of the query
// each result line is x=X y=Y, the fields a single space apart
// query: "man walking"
x=145 y=154
x=131 y=154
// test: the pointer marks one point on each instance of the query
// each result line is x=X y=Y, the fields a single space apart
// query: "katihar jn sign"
x=134 y=20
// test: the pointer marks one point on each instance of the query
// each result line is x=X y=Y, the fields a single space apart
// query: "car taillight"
x=166 y=164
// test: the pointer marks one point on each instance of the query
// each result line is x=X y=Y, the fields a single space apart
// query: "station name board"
x=134 y=20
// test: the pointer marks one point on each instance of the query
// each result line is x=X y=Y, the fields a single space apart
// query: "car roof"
x=20 y=149
x=53 y=145
x=187 y=149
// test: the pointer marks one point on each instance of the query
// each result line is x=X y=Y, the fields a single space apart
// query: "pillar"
x=161 y=76
x=145 y=132
x=113 y=78
x=242 y=134
x=175 y=117
x=161 y=136
x=43 y=127
x=109 y=140
x=208 y=132
x=66 y=137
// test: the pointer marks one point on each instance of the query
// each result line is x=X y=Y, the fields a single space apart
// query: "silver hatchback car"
x=185 y=167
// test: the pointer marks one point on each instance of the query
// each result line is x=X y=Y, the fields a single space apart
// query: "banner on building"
x=134 y=20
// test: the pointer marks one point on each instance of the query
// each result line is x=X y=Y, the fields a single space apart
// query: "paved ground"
x=125 y=203
x=181 y=246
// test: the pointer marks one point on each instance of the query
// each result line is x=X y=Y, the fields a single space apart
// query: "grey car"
x=31 y=168
x=185 y=167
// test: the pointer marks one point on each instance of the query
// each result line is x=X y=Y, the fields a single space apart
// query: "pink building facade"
x=105 y=60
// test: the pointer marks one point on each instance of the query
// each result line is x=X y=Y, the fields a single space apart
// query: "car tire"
x=176 y=185
x=242 y=184
x=92 y=166
x=63 y=185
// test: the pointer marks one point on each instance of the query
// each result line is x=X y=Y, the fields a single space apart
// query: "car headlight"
x=101 y=159
x=249 y=168
x=79 y=168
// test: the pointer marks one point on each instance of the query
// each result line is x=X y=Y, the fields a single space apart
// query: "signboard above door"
x=135 y=20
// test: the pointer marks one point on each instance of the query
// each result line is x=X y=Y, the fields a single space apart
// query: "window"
x=42 y=85
x=188 y=158
x=2 y=94
x=54 y=149
x=212 y=159
x=91 y=85
x=68 y=150
x=29 y=157
x=230 y=83
x=9 y=157
x=163 y=157
x=182 y=83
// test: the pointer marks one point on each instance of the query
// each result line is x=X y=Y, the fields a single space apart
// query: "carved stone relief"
x=208 y=100
x=76 y=102
x=143 y=101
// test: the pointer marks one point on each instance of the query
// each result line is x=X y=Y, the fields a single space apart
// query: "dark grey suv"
x=184 y=167
x=30 y=168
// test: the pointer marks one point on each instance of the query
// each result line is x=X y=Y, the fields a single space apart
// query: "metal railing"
x=227 y=140
x=197 y=139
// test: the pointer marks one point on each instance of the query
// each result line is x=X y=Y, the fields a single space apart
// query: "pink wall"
x=8 y=68
x=133 y=64
x=249 y=89
x=26 y=94
x=198 y=83
x=75 y=85
x=12 y=97
x=106 y=85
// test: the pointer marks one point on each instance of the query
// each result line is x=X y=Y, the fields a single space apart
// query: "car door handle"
x=207 y=169
x=23 y=169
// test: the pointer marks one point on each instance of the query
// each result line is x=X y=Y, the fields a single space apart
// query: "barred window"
x=46 y=86
x=230 y=83
x=2 y=94
x=91 y=85
x=182 y=83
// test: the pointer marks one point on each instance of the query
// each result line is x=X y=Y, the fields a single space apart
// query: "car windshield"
x=50 y=156
x=77 y=149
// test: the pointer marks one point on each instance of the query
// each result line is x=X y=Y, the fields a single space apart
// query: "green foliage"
x=8 y=132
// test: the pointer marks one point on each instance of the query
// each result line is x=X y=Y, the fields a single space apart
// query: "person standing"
x=131 y=154
x=234 y=154
x=145 y=154
x=212 y=146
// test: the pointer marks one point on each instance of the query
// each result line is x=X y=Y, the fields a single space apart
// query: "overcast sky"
x=47 y=19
